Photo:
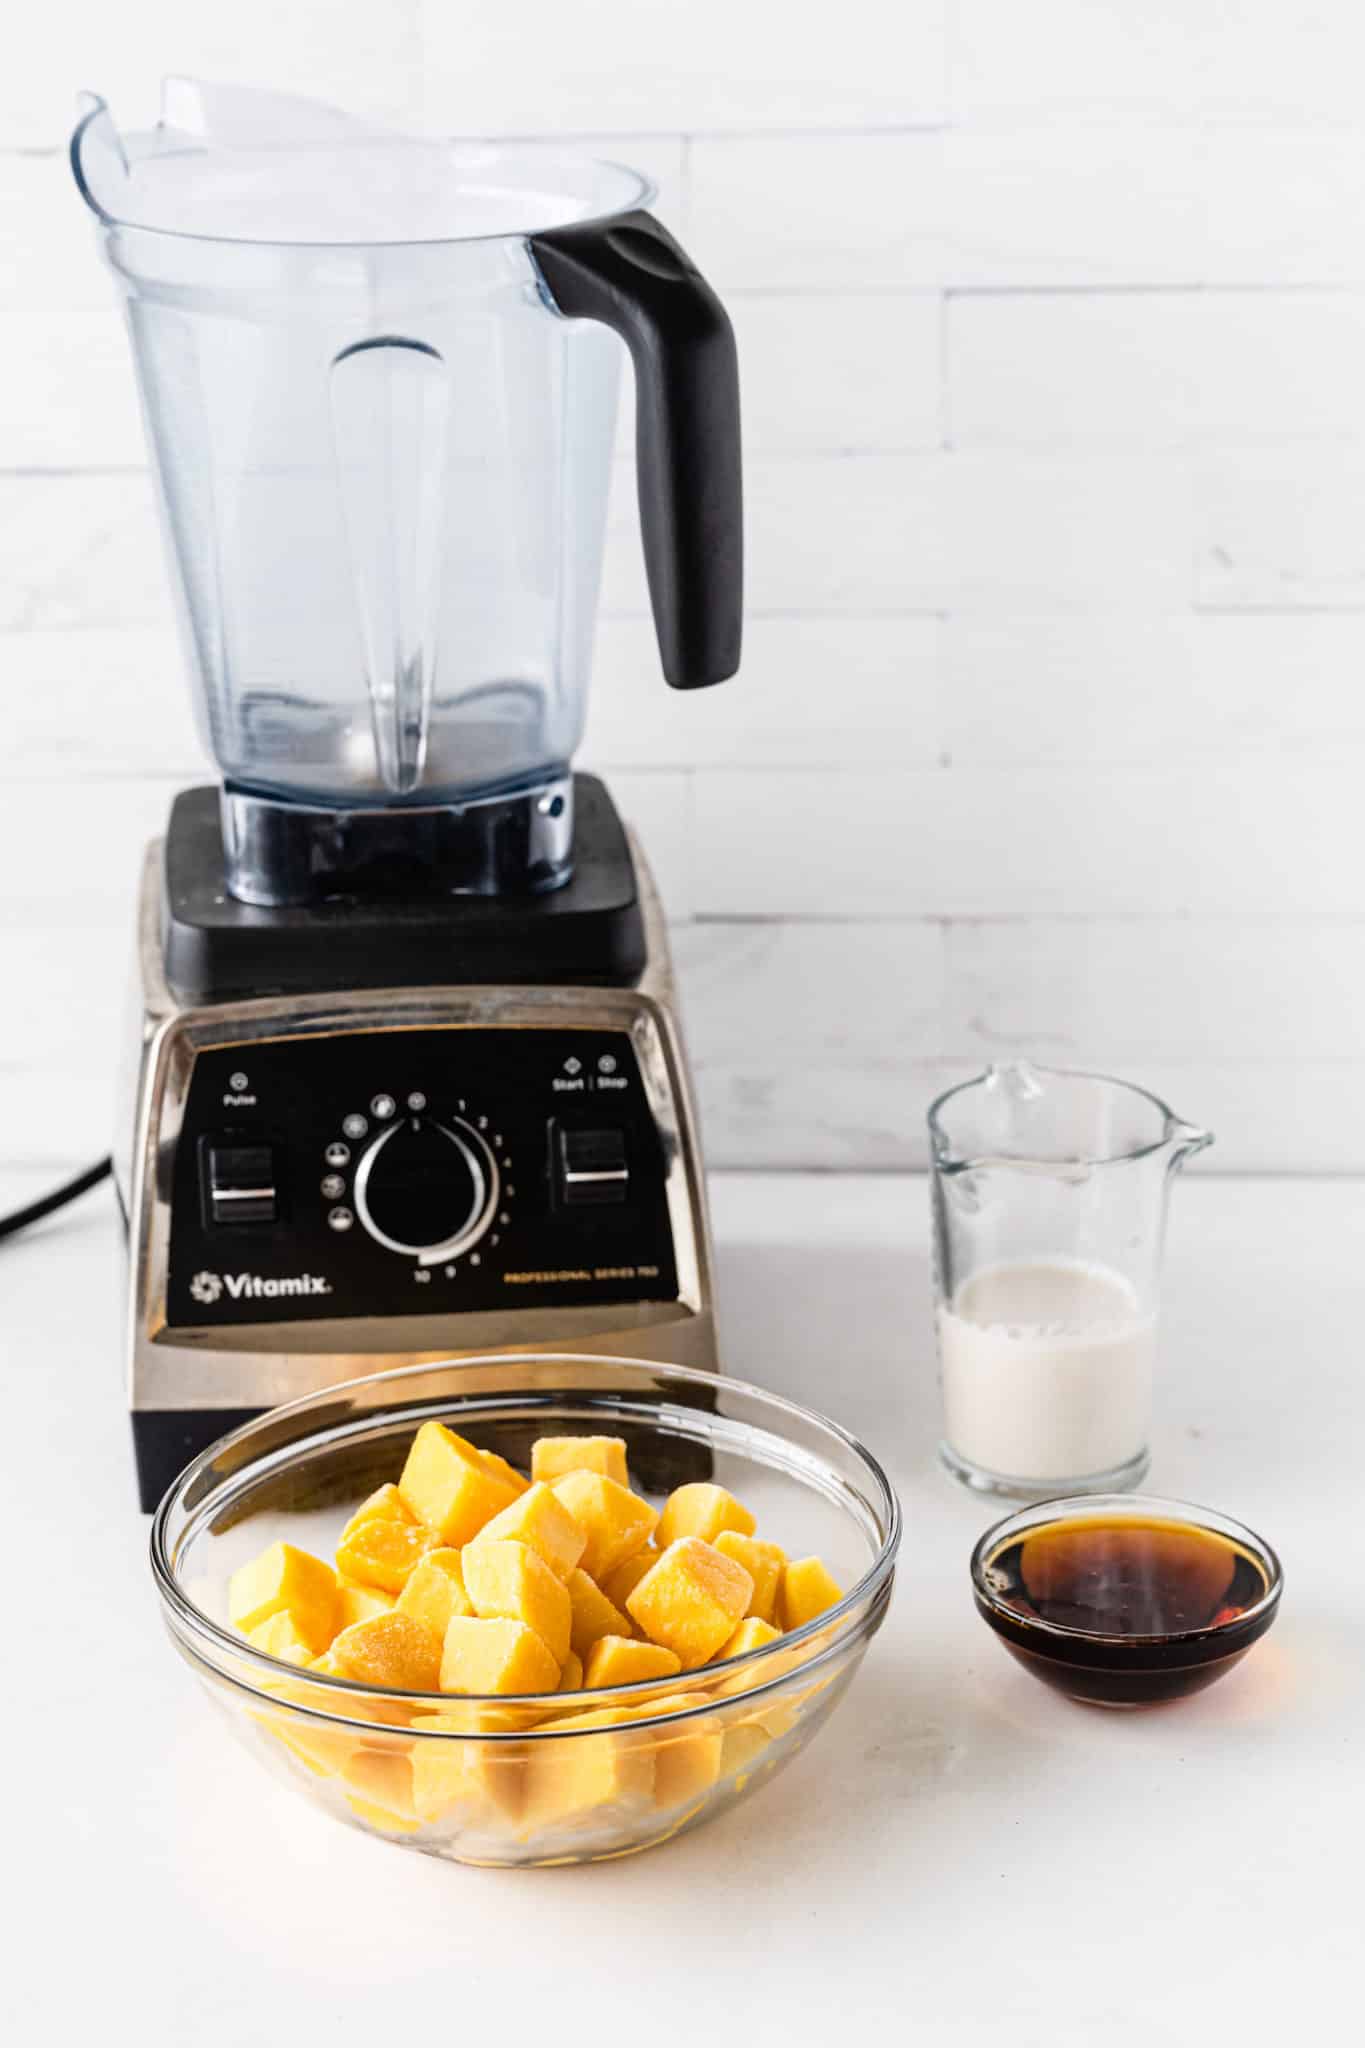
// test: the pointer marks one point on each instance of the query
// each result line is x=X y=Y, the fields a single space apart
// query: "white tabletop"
x=959 y=1853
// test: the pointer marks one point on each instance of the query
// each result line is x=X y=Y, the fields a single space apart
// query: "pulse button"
x=590 y=1167
x=240 y=1184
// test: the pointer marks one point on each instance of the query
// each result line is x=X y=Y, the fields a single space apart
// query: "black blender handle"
x=629 y=273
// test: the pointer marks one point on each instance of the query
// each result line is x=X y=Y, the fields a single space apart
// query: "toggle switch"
x=239 y=1183
x=590 y=1167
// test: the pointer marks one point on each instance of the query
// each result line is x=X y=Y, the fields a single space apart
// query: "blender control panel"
x=383 y=1173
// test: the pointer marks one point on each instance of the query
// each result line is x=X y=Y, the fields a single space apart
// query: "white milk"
x=1047 y=1370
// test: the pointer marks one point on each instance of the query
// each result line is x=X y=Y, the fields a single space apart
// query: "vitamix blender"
x=406 y=1078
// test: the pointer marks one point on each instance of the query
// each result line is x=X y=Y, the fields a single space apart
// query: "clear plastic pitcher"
x=1050 y=1192
x=379 y=377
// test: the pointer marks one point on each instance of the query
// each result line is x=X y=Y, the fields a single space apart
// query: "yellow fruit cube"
x=553 y=1456
x=807 y=1590
x=691 y=1600
x=500 y=1469
x=744 y=1749
x=283 y=1580
x=279 y=1637
x=751 y=1634
x=491 y=1656
x=686 y=1756
x=571 y=1677
x=360 y=1603
x=540 y=1520
x=381 y=1779
x=447 y=1485
x=435 y=1593
x=594 y=1616
x=382 y=1553
x=510 y=1582
x=385 y=1504
x=592 y=1772
x=389 y=1649
x=457 y=1778
x=701 y=1509
x=620 y=1584
x=615 y=1521
x=620 y=1660
x=764 y=1562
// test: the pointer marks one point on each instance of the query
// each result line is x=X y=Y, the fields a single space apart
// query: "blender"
x=405 y=1077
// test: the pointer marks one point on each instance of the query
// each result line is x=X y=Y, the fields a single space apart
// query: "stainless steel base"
x=258 y=1366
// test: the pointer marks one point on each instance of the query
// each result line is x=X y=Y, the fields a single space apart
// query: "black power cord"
x=19 y=1219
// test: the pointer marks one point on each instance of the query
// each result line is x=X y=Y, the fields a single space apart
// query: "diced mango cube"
x=382 y=1782
x=615 y=1521
x=686 y=1756
x=571 y=1677
x=594 y=1616
x=620 y=1584
x=283 y=1580
x=359 y=1603
x=500 y=1469
x=620 y=1660
x=764 y=1562
x=435 y=1593
x=807 y=1590
x=447 y=1485
x=389 y=1649
x=450 y=1777
x=701 y=1509
x=751 y=1634
x=383 y=1553
x=491 y=1656
x=594 y=1771
x=511 y=1582
x=691 y=1600
x=540 y=1520
x=553 y=1456
x=279 y=1637
x=385 y=1504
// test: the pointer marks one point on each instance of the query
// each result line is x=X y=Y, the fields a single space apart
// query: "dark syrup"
x=1159 y=1608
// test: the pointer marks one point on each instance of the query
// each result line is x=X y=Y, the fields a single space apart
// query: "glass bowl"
x=512 y=1781
x=1125 y=1600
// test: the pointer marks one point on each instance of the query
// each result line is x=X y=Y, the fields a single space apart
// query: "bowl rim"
x=205 y=1631
x=1125 y=1507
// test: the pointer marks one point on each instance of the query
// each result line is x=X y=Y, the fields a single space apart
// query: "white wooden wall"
x=1050 y=733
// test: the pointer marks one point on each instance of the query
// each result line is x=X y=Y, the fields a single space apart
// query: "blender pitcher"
x=379 y=380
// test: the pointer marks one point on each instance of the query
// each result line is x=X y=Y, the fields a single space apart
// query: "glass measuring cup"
x=1049 y=1205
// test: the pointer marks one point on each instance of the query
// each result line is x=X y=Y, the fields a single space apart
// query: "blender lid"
x=231 y=163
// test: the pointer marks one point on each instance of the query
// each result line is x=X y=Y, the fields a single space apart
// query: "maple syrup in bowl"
x=1122 y=1600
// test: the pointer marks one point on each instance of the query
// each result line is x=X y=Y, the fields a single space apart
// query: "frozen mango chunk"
x=602 y=1768
x=449 y=1487
x=385 y=1504
x=751 y=1634
x=359 y=1603
x=383 y=1553
x=594 y=1616
x=389 y=1649
x=807 y=1590
x=381 y=1781
x=283 y=1580
x=571 y=1677
x=691 y=1600
x=511 y=1582
x=615 y=1521
x=620 y=1584
x=279 y=1637
x=435 y=1593
x=465 y=1780
x=702 y=1509
x=686 y=1755
x=540 y=1520
x=620 y=1660
x=764 y=1562
x=484 y=1655
x=553 y=1456
x=500 y=1469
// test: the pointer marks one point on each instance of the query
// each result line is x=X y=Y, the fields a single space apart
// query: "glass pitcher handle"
x=630 y=274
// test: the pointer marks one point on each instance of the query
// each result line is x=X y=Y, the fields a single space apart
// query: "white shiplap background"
x=1050 y=736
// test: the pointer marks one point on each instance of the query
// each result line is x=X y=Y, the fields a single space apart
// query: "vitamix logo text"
x=210 y=1287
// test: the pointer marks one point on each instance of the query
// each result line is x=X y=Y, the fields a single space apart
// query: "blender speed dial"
x=427 y=1189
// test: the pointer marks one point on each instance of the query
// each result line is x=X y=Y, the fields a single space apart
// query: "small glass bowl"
x=509 y=1781
x=1165 y=1577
